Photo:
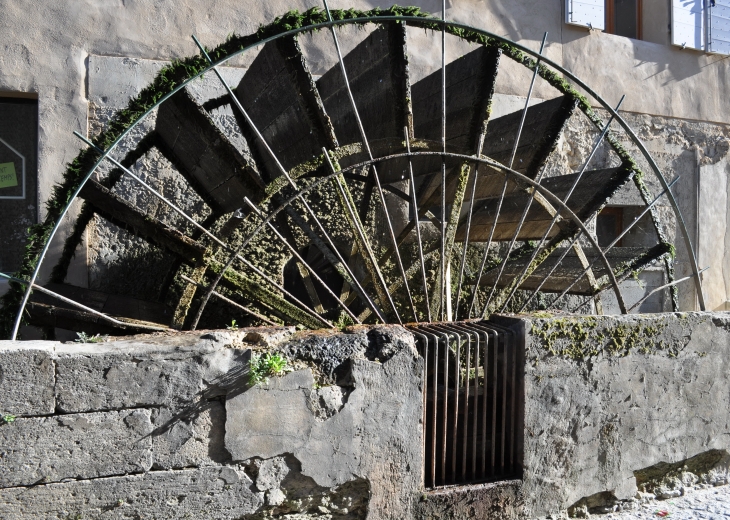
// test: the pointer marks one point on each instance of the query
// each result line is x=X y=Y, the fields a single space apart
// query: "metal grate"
x=473 y=402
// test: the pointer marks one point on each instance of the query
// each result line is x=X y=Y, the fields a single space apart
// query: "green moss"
x=582 y=338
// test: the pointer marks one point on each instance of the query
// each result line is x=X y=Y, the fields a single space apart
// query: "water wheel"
x=364 y=191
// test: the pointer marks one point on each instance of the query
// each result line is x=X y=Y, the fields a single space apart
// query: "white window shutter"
x=688 y=23
x=718 y=33
x=588 y=13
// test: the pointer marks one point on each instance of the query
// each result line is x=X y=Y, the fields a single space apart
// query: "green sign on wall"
x=8 y=178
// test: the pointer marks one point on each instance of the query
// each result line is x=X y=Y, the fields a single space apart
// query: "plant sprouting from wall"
x=267 y=365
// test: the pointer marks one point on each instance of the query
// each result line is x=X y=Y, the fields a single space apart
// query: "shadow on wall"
x=663 y=481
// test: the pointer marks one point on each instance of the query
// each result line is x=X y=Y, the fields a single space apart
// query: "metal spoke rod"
x=578 y=178
x=231 y=302
x=354 y=282
x=656 y=290
x=478 y=279
x=375 y=175
x=511 y=164
x=468 y=226
x=527 y=103
x=616 y=240
x=417 y=225
x=80 y=306
x=442 y=303
x=299 y=258
x=235 y=254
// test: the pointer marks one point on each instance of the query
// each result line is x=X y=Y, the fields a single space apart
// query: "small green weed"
x=232 y=326
x=344 y=321
x=83 y=337
x=268 y=365
x=7 y=418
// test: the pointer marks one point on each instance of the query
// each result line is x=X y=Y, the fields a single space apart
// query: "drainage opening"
x=473 y=402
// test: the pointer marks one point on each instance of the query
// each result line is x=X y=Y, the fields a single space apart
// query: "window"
x=609 y=225
x=623 y=17
x=18 y=184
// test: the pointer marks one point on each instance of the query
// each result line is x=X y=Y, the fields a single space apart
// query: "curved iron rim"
x=416 y=21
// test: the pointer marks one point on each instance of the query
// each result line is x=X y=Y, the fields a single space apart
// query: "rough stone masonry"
x=168 y=426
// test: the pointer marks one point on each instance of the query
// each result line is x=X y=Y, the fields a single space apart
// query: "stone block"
x=194 y=438
x=373 y=434
x=168 y=371
x=650 y=389
x=212 y=492
x=76 y=446
x=27 y=377
x=270 y=419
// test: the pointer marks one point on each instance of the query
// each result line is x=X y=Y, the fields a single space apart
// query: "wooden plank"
x=43 y=315
x=543 y=125
x=204 y=155
x=631 y=258
x=281 y=98
x=375 y=70
x=123 y=213
x=470 y=84
x=114 y=305
x=589 y=196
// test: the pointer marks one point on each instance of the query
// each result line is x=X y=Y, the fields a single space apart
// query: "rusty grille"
x=473 y=402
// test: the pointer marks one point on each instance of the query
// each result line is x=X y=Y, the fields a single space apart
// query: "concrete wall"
x=609 y=397
x=50 y=44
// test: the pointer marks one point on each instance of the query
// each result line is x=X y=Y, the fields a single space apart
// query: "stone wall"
x=168 y=427
x=609 y=398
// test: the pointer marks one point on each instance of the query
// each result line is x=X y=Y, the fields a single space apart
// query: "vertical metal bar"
x=509 y=412
x=455 y=426
x=465 y=436
x=447 y=349
x=527 y=103
x=505 y=367
x=435 y=407
x=414 y=201
x=494 y=403
x=422 y=341
x=442 y=304
x=468 y=226
x=476 y=409
x=445 y=332
x=496 y=337
x=374 y=170
x=513 y=409
x=485 y=405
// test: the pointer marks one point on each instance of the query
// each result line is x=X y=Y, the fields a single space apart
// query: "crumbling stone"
x=76 y=446
x=27 y=377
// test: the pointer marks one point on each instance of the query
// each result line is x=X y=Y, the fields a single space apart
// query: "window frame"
x=610 y=18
